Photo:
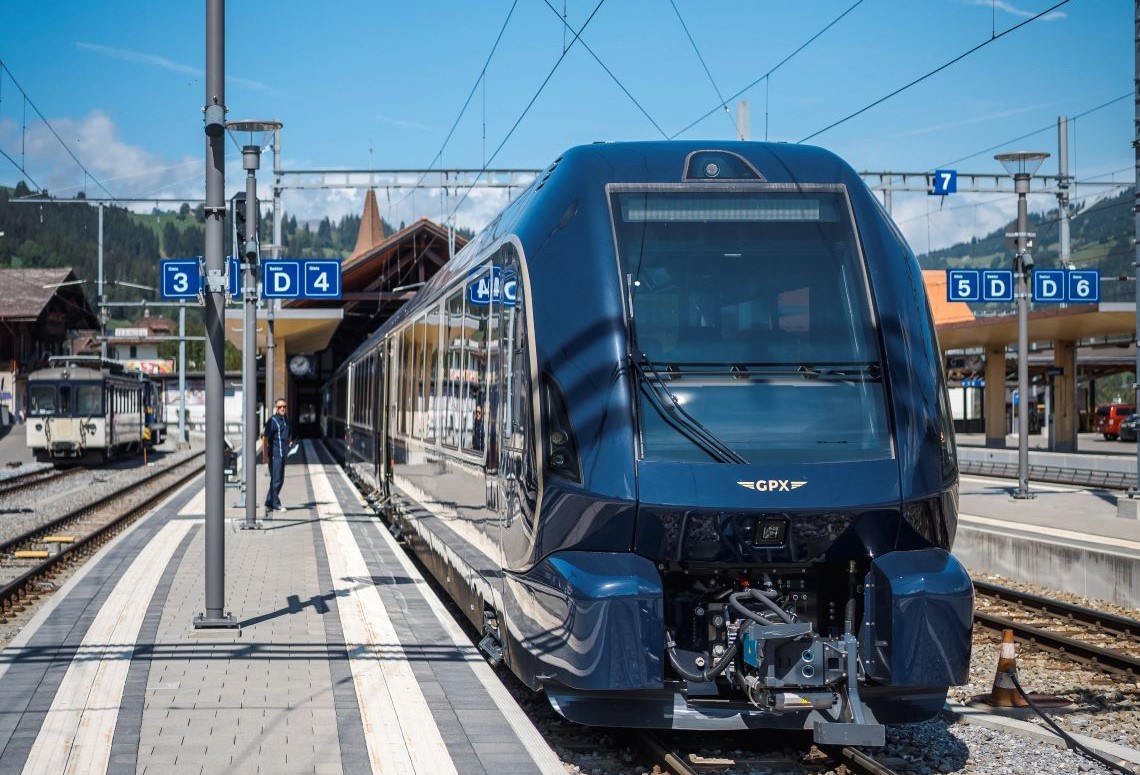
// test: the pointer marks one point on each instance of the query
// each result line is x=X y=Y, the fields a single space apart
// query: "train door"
x=517 y=471
x=376 y=418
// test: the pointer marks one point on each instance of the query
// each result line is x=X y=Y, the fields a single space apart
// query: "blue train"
x=673 y=431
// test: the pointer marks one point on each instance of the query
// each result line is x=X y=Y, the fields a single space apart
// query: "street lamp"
x=1021 y=165
x=256 y=135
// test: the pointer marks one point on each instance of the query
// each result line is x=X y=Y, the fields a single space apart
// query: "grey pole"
x=99 y=292
x=215 y=287
x=1136 y=229
x=270 y=338
x=1063 y=190
x=181 y=373
x=1021 y=184
x=251 y=155
x=1021 y=165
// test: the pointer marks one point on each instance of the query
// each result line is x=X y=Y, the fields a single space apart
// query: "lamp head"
x=1022 y=162
x=256 y=133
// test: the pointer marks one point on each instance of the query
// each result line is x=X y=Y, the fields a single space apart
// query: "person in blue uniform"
x=275 y=442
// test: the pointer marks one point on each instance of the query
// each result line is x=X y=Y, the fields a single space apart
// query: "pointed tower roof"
x=371 y=227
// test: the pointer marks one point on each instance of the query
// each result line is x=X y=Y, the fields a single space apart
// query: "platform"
x=345 y=661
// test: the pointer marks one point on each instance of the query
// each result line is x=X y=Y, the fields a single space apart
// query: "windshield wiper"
x=674 y=414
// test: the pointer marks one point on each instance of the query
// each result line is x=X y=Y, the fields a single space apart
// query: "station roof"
x=24 y=297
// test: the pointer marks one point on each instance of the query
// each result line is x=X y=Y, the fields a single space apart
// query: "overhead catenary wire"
x=609 y=72
x=777 y=66
x=697 y=51
x=935 y=71
x=28 y=101
x=529 y=105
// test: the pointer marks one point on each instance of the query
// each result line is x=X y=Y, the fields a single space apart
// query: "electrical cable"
x=470 y=94
x=1115 y=766
x=47 y=123
x=697 y=51
x=621 y=86
x=529 y=105
x=936 y=70
x=779 y=64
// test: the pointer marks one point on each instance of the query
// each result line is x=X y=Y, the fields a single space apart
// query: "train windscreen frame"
x=68 y=398
x=753 y=332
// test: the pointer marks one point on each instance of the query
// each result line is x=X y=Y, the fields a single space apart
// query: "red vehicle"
x=1109 y=417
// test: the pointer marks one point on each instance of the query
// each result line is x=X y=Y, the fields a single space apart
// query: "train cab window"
x=742 y=302
x=41 y=399
x=66 y=406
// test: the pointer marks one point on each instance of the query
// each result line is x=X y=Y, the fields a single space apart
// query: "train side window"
x=477 y=353
x=518 y=422
x=453 y=370
x=407 y=378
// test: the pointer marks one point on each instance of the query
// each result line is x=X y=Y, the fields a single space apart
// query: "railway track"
x=36 y=478
x=1088 y=624
x=25 y=571
x=671 y=758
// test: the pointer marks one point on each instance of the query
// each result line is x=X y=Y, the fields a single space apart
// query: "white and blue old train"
x=674 y=431
x=85 y=409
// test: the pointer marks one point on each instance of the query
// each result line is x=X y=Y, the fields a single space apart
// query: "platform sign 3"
x=944 y=182
x=963 y=285
x=181 y=278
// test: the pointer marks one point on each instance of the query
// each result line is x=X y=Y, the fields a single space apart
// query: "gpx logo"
x=772 y=485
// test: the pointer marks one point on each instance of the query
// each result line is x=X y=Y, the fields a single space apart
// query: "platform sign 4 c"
x=290 y=278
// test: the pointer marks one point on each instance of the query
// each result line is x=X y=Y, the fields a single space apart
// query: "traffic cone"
x=1004 y=694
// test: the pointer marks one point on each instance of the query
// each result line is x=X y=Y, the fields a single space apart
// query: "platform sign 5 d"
x=286 y=278
x=181 y=278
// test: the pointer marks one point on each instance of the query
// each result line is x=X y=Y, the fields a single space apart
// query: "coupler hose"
x=709 y=672
x=734 y=601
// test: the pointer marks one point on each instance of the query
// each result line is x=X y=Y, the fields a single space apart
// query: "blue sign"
x=235 y=277
x=1049 y=285
x=963 y=285
x=975 y=382
x=181 y=278
x=1084 y=285
x=281 y=279
x=494 y=287
x=321 y=280
x=997 y=285
x=945 y=182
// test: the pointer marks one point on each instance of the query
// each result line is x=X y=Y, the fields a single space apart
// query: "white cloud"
x=404 y=123
x=932 y=223
x=1009 y=8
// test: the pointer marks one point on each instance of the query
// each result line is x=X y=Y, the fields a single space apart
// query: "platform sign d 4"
x=944 y=182
x=286 y=278
x=181 y=278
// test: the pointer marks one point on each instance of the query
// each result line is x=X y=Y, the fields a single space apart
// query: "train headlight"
x=92 y=427
x=561 y=447
x=39 y=426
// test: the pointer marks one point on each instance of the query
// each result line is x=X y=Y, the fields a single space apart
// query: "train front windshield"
x=753 y=331
x=65 y=399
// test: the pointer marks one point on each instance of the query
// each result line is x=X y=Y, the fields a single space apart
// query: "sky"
x=378 y=84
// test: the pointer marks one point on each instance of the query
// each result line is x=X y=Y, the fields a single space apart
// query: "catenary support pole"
x=215 y=615
x=182 y=439
x=250 y=158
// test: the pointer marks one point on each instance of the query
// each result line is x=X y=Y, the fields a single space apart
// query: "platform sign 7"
x=944 y=182
x=1084 y=285
x=963 y=285
x=181 y=278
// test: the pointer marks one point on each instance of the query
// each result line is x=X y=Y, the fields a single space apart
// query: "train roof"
x=84 y=367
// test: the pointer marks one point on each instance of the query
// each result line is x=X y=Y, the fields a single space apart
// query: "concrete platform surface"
x=345 y=662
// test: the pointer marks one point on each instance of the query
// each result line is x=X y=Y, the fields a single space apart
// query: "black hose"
x=1065 y=735
x=708 y=673
x=755 y=594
